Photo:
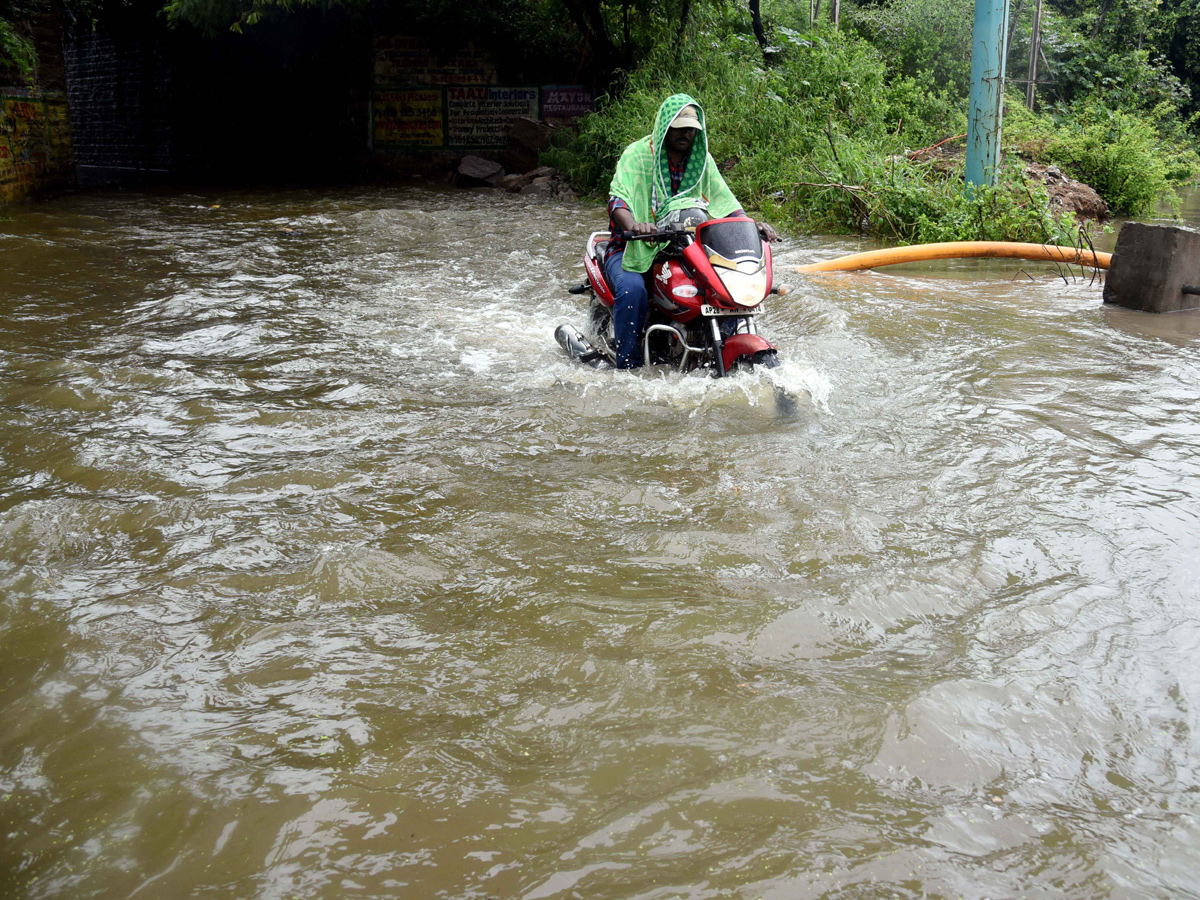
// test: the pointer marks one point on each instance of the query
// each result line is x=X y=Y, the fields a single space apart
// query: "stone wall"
x=36 y=155
x=36 y=147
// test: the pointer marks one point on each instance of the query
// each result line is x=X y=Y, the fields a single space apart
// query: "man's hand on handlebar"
x=769 y=234
x=624 y=220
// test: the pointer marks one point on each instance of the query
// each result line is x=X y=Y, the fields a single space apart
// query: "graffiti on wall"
x=35 y=144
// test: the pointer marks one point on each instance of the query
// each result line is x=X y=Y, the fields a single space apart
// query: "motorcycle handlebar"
x=663 y=234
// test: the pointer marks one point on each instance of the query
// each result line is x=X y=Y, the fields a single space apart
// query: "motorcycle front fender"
x=740 y=345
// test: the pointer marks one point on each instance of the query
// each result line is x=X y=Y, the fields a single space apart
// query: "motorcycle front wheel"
x=600 y=329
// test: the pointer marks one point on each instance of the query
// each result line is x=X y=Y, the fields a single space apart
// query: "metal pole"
x=987 y=91
x=1035 y=44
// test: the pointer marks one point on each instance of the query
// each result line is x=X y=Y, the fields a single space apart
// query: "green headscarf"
x=643 y=179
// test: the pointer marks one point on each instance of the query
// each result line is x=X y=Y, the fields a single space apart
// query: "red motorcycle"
x=709 y=282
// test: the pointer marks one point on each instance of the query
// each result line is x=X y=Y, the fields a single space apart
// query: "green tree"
x=925 y=39
x=17 y=53
x=612 y=34
x=1130 y=50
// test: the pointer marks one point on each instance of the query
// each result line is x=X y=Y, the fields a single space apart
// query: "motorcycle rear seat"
x=601 y=249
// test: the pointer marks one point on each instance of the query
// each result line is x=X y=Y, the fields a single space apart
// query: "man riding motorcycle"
x=672 y=160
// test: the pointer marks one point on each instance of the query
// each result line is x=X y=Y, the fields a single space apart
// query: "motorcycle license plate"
x=706 y=310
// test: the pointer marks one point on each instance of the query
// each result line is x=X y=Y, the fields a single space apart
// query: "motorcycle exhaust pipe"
x=576 y=345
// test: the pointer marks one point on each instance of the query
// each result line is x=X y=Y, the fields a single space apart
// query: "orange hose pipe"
x=960 y=250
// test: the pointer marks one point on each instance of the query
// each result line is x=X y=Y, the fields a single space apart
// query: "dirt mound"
x=1065 y=193
x=1068 y=194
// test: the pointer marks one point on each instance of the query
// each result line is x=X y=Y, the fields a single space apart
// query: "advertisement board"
x=479 y=117
x=562 y=104
x=408 y=118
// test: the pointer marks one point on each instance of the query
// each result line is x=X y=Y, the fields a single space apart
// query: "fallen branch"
x=915 y=153
x=853 y=188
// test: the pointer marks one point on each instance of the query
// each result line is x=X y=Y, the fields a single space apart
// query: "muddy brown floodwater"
x=326 y=575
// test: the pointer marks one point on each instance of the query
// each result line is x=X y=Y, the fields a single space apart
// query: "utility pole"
x=1035 y=45
x=987 y=91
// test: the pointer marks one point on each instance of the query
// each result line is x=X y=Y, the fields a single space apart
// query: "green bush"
x=1120 y=70
x=1016 y=208
x=823 y=138
x=1133 y=160
x=920 y=203
x=16 y=52
x=1114 y=153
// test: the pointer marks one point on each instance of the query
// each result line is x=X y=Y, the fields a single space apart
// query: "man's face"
x=680 y=139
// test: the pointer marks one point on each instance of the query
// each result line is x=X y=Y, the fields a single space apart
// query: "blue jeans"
x=629 y=310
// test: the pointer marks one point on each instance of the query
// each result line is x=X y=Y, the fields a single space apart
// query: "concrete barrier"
x=1155 y=268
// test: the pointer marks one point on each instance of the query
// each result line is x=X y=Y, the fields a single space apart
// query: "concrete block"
x=1150 y=267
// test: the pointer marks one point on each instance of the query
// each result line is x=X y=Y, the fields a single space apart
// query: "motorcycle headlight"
x=746 y=288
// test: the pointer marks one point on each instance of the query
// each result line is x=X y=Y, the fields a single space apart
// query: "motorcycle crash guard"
x=742 y=345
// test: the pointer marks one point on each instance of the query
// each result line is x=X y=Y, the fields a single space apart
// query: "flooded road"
x=326 y=575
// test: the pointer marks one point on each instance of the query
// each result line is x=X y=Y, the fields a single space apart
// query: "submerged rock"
x=473 y=171
x=517 y=183
x=544 y=181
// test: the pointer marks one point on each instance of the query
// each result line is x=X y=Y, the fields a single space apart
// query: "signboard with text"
x=408 y=118
x=425 y=100
x=402 y=60
x=563 y=104
x=479 y=117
